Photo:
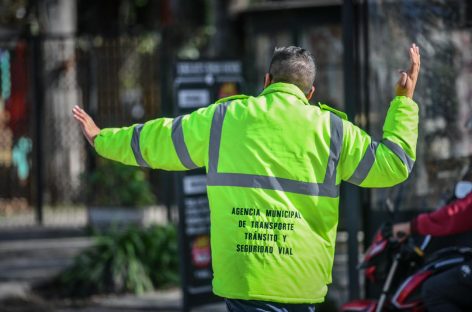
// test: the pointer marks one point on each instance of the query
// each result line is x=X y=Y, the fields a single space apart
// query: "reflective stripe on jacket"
x=274 y=165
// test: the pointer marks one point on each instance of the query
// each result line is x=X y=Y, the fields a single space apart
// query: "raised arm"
x=368 y=163
x=180 y=143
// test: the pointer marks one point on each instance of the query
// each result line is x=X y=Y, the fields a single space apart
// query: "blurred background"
x=117 y=59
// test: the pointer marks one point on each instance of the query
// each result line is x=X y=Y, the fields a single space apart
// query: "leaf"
x=134 y=260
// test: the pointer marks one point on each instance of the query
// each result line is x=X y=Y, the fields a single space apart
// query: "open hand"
x=89 y=128
x=406 y=85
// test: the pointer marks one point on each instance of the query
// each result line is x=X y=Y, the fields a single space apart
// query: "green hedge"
x=114 y=184
x=135 y=260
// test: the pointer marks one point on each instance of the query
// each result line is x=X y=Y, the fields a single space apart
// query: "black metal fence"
x=43 y=157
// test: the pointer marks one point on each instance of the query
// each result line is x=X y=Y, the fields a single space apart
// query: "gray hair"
x=293 y=65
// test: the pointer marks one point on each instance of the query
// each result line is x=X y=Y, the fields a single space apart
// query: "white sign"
x=216 y=68
x=195 y=184
x=189 y=98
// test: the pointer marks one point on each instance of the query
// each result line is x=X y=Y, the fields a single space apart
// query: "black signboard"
x=198 y=84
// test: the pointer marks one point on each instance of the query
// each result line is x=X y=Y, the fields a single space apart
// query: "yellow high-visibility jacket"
x=274 y=165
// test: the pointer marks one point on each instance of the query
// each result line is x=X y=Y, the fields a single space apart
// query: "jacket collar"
x=287 y=88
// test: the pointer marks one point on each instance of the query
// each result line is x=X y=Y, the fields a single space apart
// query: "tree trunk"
x=65 y=158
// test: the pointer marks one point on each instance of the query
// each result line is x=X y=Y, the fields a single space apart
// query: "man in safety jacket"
x=274 y=164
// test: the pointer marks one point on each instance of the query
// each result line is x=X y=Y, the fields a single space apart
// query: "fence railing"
x=43 y=157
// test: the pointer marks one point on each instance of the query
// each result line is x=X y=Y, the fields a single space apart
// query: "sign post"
x=198 y=84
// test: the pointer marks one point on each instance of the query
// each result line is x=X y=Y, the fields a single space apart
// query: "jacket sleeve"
x=180 y=143
x=453 y=218
x=369 y=163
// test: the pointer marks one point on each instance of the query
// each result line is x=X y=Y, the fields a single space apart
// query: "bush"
x=136 y=260
x=118 y=185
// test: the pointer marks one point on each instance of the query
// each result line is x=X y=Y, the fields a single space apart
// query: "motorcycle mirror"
x=462 y=189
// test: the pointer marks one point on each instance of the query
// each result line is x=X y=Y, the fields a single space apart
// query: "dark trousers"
x=234 y=305
x=450 y=290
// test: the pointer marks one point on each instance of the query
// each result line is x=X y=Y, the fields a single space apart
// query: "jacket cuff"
x=98 y=141
x=404 y=100
x=414 y=226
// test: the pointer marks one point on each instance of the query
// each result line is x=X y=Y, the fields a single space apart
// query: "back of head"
x=293 y=65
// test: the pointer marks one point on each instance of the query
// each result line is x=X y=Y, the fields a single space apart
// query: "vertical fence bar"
x=37 y=99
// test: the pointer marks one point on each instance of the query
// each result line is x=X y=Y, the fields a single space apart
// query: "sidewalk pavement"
x=29 y=256
x=160 y=301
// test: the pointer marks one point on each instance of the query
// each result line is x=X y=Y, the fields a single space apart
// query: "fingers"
x=80 y=115
x=80 y=118
x=407 y=82
x=89 y=129
x=79 y=111
x=403 y=79
x=414 y=53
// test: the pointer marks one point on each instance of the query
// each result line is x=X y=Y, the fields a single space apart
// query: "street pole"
x=351 y=194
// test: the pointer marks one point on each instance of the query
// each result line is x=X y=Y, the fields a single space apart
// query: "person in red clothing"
x=450 y=290
x=451 y=219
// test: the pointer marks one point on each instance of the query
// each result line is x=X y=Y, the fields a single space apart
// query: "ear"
x=310 y=93
x=267 y=80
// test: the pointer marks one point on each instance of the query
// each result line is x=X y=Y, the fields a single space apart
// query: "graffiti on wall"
x=15 y=144
x=12 y=154
x=6 y=138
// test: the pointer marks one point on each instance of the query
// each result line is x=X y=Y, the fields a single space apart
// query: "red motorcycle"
x=402 y=268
